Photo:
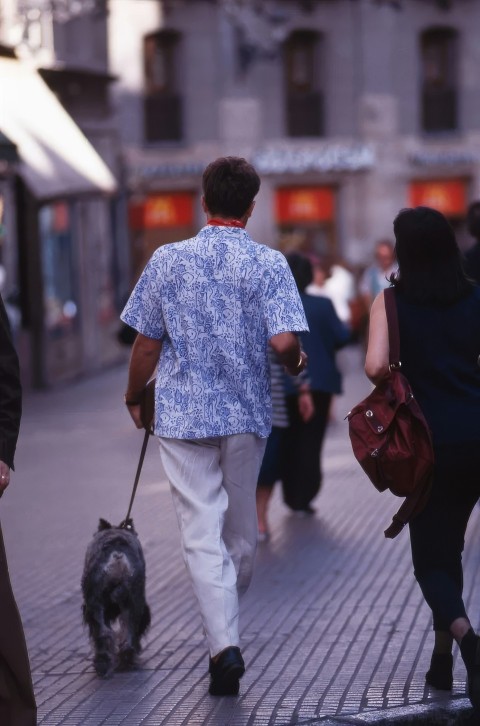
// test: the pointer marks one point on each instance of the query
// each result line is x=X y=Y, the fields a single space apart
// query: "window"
x=304 y=100
x=163 y=104
x=59 y=281
x=439 y=50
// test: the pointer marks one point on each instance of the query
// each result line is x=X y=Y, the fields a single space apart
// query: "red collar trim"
x=226 y=223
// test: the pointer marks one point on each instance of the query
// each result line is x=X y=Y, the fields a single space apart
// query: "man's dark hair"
x=230 y=184
x=301 y=268
x=430 y=268
x=473 y=220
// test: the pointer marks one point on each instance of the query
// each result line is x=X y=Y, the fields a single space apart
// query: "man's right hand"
x=289 y=353
x=301 y=365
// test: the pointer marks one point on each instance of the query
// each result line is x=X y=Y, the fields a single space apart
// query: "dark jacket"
x=440 y=354
x=472 y=262
x=17 y=698
x=327 y=334
x=10 y=392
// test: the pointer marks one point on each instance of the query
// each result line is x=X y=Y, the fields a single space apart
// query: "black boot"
x=470 y=650
x=440 y=673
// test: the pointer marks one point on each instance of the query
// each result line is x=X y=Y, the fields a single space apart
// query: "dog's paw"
x=126 y=659
x=103 y=666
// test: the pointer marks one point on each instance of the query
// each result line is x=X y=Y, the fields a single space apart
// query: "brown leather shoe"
x=225 y=672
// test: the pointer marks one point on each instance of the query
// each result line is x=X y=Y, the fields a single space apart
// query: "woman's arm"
x=377 y=358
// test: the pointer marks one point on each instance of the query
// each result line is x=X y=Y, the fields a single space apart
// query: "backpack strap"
x=393 y=331
x=412 y=506
x=415 y=502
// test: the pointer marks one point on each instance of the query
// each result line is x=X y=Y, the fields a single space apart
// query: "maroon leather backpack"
x=390 y=437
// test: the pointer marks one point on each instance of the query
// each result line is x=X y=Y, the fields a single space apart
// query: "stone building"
x=350 y=110
x=65 y=247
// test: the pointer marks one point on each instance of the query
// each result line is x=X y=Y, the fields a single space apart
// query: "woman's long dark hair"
x=430 y=267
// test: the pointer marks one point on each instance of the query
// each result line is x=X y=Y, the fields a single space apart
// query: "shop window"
x=163 y=103
x=439 y=56
x=304 y=98
x=59 y=288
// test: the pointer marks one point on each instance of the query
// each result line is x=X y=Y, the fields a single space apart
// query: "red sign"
x=447 y=196
x=304 y=204
x=61 y=217
x=162 y=210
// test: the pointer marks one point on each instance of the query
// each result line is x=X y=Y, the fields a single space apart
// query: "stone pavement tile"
x=333 y=627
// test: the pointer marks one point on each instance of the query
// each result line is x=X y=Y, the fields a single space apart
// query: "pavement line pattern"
x=334 y=629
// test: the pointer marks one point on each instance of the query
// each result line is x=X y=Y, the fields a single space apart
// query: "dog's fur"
x=114 y=605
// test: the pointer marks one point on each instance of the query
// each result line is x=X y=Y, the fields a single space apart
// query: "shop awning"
x=56 y=159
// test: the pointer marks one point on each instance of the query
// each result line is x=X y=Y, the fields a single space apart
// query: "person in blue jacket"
x=302 y=475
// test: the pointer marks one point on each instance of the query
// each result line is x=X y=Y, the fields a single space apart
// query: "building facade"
x=349 y=109
x=67 y=246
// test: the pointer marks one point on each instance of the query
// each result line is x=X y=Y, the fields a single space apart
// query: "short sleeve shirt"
x=214 y=301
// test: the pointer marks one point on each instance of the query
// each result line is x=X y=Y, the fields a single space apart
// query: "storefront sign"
x=170 y=170
x=304 y=204
x=325 y=158
x=162 y=210
x=443 y=157
x=446 y=195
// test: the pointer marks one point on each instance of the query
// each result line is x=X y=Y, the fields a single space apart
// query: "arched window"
x=439 y=67
x=303 y=85
x=163 y=103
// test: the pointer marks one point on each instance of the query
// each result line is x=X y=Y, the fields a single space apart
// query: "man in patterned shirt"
x=206 y=310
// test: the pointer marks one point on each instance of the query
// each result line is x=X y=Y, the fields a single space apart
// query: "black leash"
x=147 y=412
x=126 y=524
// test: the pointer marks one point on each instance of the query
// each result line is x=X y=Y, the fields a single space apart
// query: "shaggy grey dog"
x=113 y=586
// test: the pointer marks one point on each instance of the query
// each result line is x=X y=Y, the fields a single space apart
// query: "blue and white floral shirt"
x=214 y=301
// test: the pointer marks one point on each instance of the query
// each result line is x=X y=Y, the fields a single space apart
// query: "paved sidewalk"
x=334 y=628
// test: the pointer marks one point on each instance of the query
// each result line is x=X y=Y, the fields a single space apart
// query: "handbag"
x=390 y=437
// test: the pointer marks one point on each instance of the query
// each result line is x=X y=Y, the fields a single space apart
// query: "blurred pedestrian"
x=376 y=277
x=332 y=279
x=272 y=469
x=302 y=477
x=439 y=322
x=17 y=700
x=472 y=255
x=206 y=310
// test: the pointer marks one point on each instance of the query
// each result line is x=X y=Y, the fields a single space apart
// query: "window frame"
x=162 y=103
x=439 y=98
x=304 y=102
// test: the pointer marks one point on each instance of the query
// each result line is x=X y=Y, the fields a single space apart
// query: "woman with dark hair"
x=302 y=470
x=439 y=321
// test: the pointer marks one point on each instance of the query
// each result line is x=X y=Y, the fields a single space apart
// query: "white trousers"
x=213 y=483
